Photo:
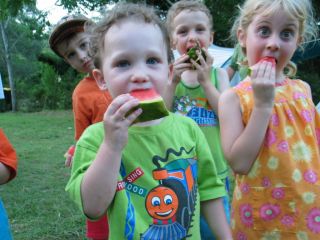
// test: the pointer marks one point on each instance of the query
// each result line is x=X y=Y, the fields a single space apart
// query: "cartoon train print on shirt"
x=171 y=204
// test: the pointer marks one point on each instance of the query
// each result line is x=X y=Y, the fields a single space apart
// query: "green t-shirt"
x=166 y=170
x=192 y=102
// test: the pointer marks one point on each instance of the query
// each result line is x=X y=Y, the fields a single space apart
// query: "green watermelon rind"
x=152 y=109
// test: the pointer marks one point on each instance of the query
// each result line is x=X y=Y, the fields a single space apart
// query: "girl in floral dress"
x=270 y=128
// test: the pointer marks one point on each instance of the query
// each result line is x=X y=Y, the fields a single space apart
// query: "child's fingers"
x=208 y=58
x=133 y=116
x=125 y=108
x=270 y=72
x=117 y=103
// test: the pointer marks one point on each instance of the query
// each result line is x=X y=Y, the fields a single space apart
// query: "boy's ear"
x=211 y=37
x=98 y=76
x=241 y=37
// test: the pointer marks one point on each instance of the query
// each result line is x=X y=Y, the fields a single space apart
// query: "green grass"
x=36 y=203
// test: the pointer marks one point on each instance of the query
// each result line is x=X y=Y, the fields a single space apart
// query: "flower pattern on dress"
x=274 y=235
x=255 y=170
x=302 y=236
x=290 y=115
x=287 y=220
x=278 y=193
x=313 y=220
x=301 y=152
x=245 y=188
x=289 y=131
x=273 y=163
x=275 y=120
x=283 y=146
x=241 y=236
x=246 y=215
x=318 y=135
x=308 y=197
x=310 y=176
x=308 y=130
x=306 y=115
x=296 y=175
x=297 y=95
x=269 y=211
x=270 y=138
x=266 y=182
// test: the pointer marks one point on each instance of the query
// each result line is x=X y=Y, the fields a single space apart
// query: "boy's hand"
x=263 y=75
x=69 y=156
x=179 y=66
x=116 y=121
x=203 y=66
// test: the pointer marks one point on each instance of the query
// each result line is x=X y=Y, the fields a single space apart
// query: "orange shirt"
x=89 y=104
x=280 y=196
x=8 y=155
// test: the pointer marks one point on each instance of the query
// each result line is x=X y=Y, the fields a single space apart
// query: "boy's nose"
x=193 y=36
x=82 y=55
x=139 y=76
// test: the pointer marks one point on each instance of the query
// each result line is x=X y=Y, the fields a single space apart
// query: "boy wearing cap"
x=70 y=41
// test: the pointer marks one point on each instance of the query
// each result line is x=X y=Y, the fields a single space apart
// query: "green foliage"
x=11 y=8
x=49 y=90
x=309 y=72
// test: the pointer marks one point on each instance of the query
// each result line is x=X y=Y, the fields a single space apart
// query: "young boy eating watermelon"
x=151 y=177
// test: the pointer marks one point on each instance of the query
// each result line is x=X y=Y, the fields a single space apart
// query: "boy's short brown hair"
x=121 y=12
x=66 y=28
x=190 y=5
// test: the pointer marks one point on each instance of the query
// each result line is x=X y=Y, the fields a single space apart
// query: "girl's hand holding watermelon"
x=263 y=75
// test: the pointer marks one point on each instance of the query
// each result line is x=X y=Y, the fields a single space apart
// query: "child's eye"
x=182 y=32
x=84 y=45
x=152 y=60
x=122 y=64
x=71 y=55
x=287 y=34
x=264 y=32
x=200 y=29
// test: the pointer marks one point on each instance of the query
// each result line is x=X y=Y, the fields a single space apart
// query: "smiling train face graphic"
x=171 y=204
x=162 y=203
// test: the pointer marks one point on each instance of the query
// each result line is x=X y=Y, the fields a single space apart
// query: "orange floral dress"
x=280 y=197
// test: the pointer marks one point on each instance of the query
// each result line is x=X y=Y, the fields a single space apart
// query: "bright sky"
x=55 y=12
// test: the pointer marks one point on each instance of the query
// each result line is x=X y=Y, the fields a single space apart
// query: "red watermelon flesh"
x=151 y=103
x=269 y=59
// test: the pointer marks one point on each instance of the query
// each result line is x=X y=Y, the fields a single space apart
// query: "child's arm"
x=241 y=144
x=8 y=159
x=176 y=69
x=213 y=212
x=4 y=173
x=100 y=180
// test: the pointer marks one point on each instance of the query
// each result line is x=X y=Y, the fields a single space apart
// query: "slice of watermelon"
x=151 y=103
x=266 y=59
x=269 y=59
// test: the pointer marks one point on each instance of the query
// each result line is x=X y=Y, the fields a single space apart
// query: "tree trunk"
x=9 y=67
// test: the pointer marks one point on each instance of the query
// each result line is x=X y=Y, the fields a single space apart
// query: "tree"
x=6 y=11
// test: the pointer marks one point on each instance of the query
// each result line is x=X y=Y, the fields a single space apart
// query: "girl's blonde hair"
x=183 y=5
x=121 y=12
x=301 y=10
